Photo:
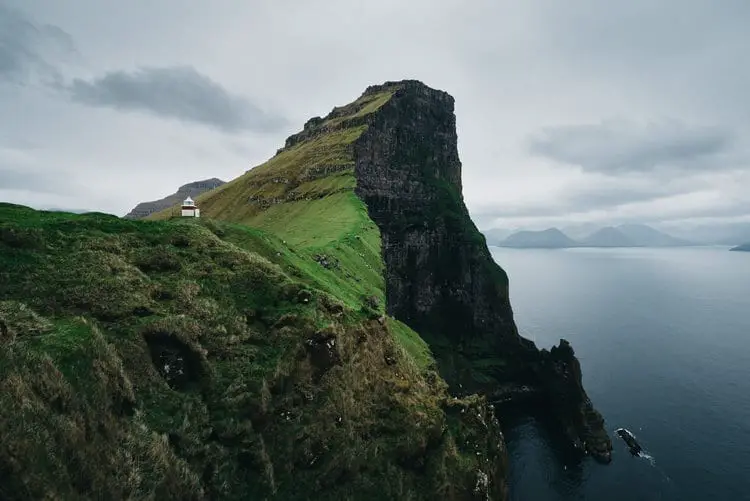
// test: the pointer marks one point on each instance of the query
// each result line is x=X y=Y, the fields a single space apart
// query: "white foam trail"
x=647 y=457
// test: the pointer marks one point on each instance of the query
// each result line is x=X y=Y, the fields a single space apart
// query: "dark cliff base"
x=440 y=277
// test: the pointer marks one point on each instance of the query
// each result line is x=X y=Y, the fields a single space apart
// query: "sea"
x=663 y=337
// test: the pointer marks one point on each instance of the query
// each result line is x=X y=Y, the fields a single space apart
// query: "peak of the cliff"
x=204 y=184
x=366 y=107
x=409 y=86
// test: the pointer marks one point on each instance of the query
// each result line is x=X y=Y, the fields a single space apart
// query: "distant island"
x=551 y=238
x=743 y=247
x=625 y=235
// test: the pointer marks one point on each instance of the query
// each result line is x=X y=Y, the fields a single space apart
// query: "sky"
x=570 y=112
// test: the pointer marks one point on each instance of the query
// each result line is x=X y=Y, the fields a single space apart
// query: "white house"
x=189 y=209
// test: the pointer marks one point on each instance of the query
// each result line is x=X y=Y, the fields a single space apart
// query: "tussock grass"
x=208 y=360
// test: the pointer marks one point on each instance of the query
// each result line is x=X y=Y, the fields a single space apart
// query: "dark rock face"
x=440 y=277
x=193 y=189
x=559 y=374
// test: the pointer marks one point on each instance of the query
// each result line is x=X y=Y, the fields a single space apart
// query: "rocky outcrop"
x=440 y=277
x=192 y=190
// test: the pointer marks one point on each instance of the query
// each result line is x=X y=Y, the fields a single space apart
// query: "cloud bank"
x=177 y=92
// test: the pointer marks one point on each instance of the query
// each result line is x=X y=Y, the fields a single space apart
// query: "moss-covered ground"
x=200 y=359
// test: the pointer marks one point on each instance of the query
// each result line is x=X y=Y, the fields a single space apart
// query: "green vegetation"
x=414 y=345
x=303 y=199
x=198 y=359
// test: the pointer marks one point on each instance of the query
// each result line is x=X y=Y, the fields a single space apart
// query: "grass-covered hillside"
x=194 y=359
x=304 y=195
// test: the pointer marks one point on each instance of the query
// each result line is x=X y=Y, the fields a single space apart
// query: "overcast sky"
x=570 y=111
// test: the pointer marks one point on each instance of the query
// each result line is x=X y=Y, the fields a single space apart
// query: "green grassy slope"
x=305 y=196
x=195 y=359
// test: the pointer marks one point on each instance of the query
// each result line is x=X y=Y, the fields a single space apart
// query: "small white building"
x=189 y=208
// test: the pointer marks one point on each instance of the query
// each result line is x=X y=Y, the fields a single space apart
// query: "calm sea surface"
x=663 y=336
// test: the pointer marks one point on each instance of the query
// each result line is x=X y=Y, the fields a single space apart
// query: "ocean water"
x=663 y=336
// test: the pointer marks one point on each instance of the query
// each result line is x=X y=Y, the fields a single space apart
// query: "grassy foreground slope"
x=201 y=360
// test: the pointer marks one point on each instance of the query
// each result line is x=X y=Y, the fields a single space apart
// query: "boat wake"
x=637 y=450
x=647 y=457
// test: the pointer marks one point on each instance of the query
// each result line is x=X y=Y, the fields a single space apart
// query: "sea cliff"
x=333 y=327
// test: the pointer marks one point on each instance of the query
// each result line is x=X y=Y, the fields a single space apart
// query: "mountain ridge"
x=192 y=189
x=609 y=236
x=551 y=238
x=625 y=235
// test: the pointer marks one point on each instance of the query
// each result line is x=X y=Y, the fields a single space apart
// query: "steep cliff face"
x=193 y=189
x=440 y=277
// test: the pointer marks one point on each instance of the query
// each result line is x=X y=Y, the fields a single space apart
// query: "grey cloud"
x=620 y=146
x=22 y=170
x=26 y=48
x=178 y=92
x=23 y=179
x=598 y=197
x=594 y=197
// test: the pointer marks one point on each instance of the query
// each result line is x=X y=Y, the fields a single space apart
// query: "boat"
x=629 y=439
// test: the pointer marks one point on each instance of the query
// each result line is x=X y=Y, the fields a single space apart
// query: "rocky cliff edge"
x=440 y=277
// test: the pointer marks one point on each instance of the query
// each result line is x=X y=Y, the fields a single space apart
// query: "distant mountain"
x=743 y=247
x=646 y=236
x=496 y=235
x=63 y=209
x=632 y=235
x=551 y=238
x=588 y=235
x=192 y=190
x=579 y=231
x=625 y=235
x=608 y=237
